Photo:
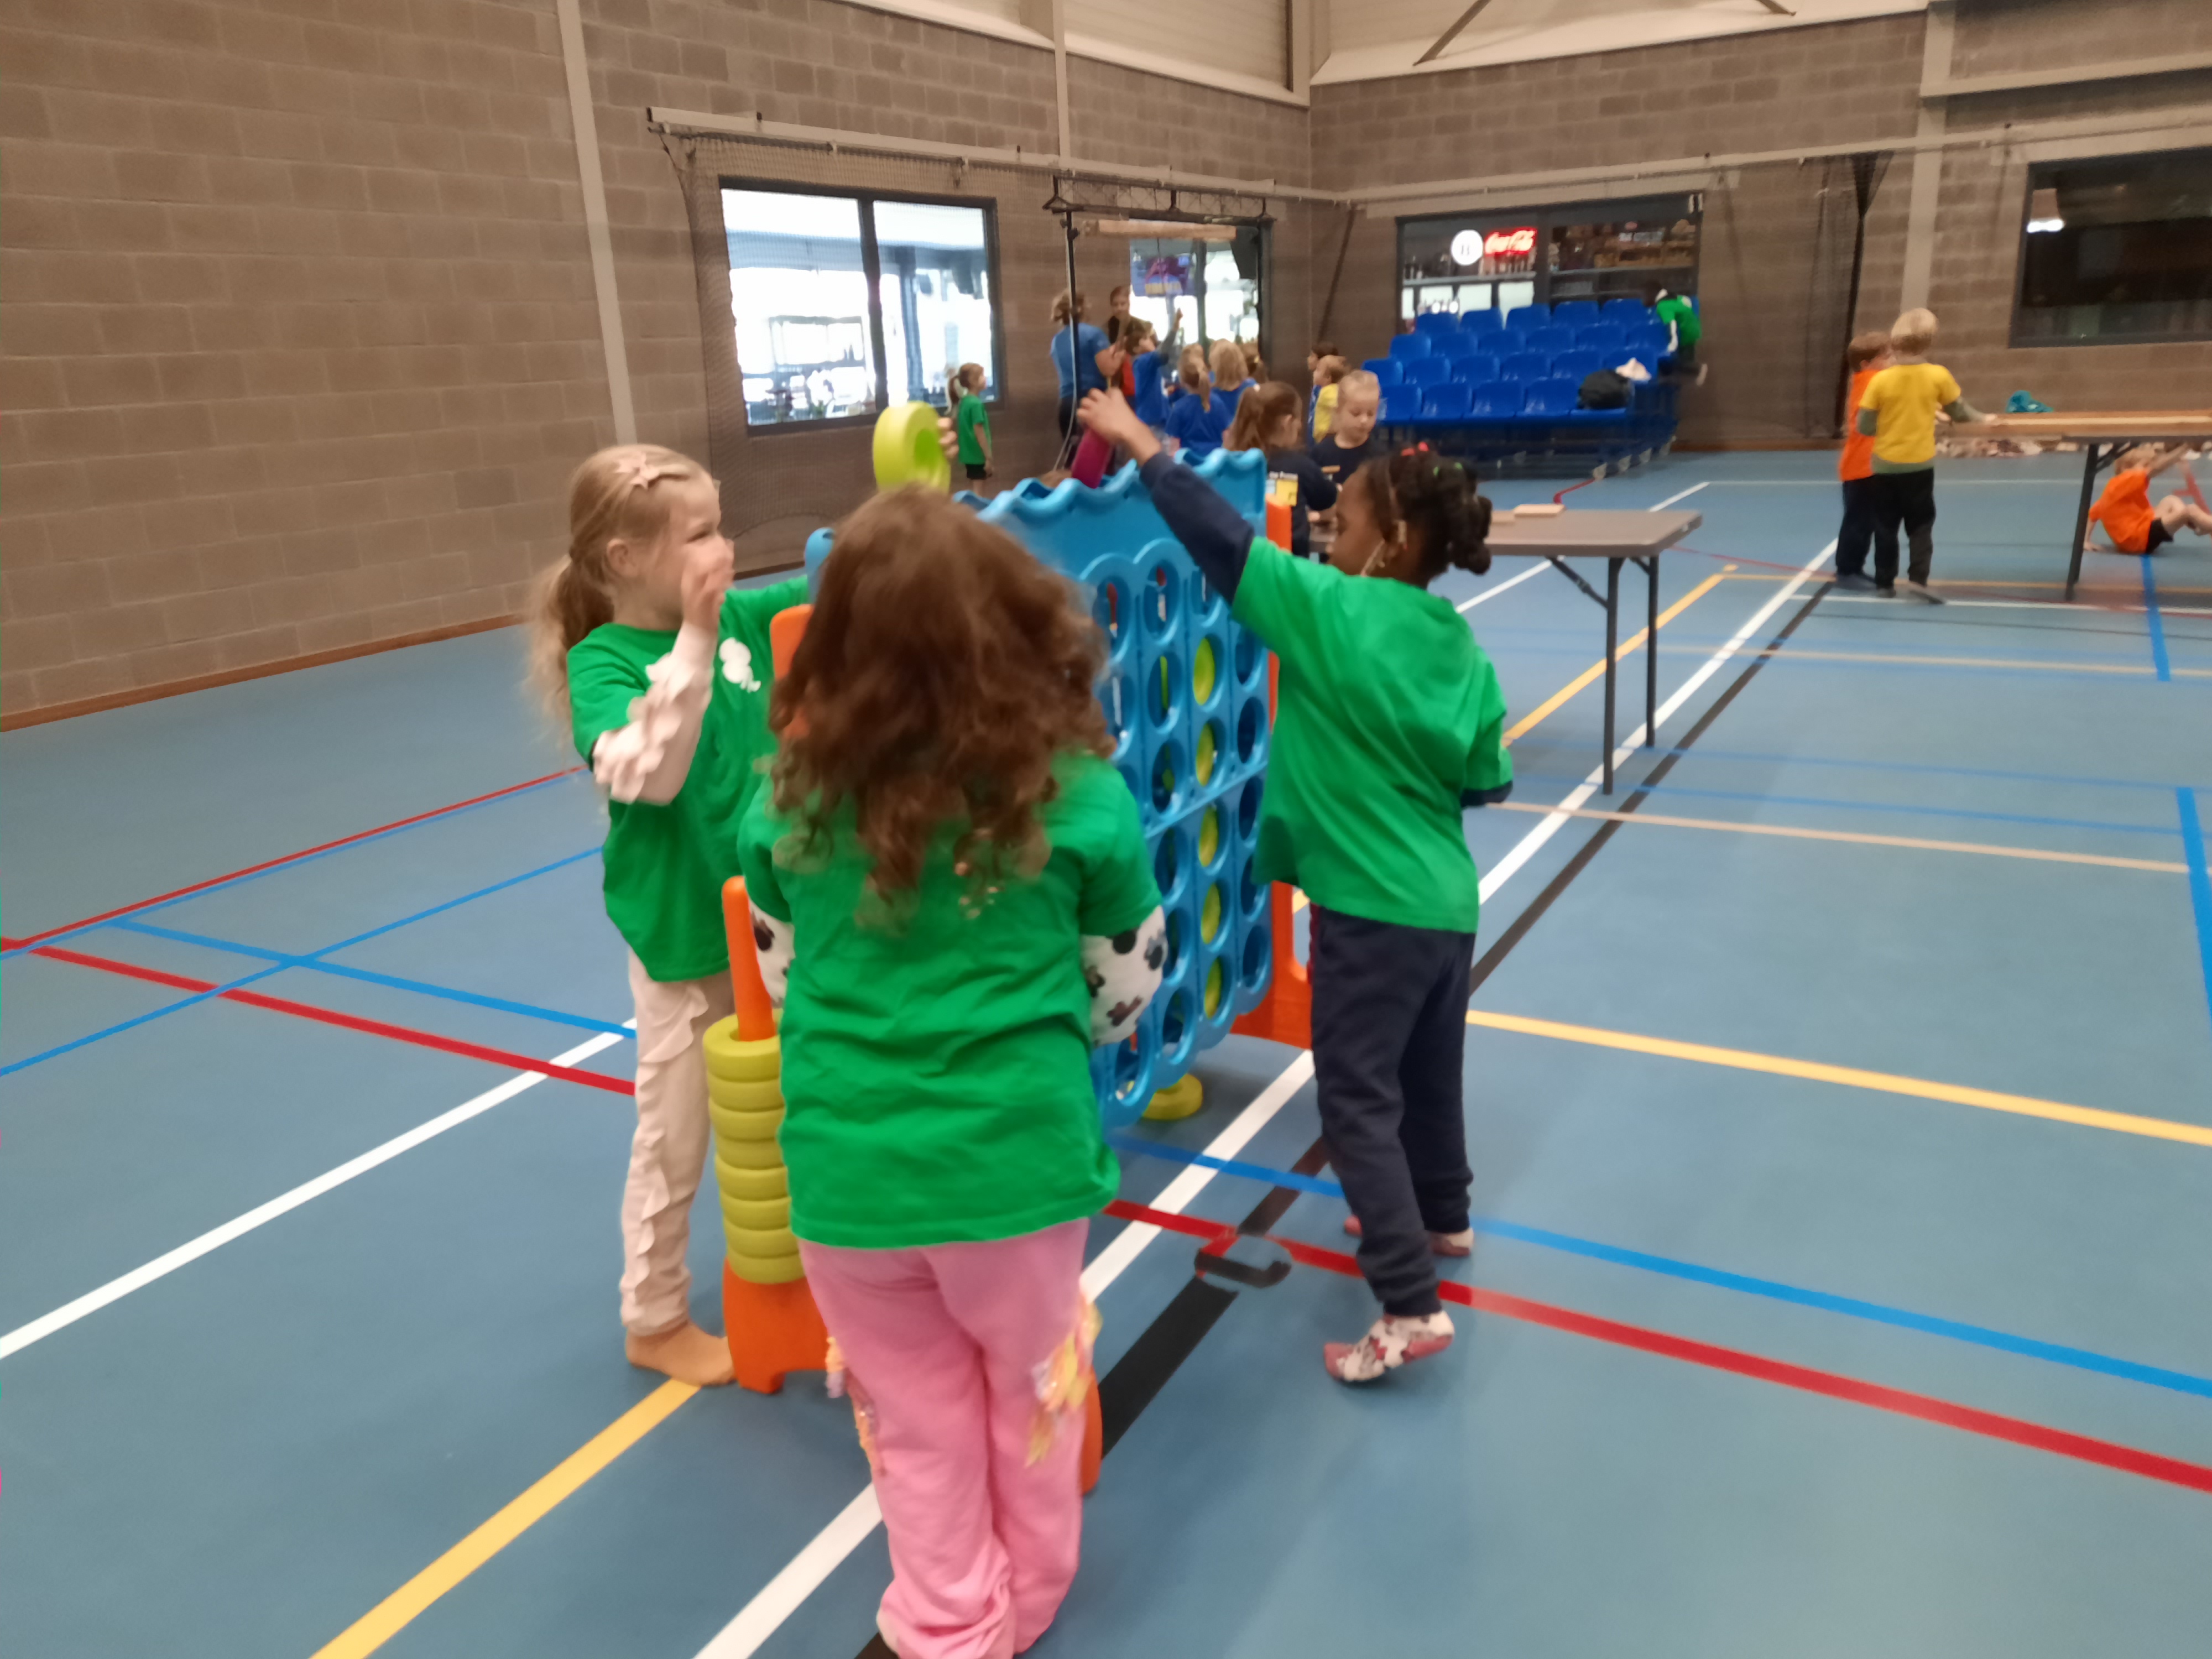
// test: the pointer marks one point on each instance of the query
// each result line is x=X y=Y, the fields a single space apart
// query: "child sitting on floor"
x=1388 y=721
x=662 y=673
x=954 y=903
x=2133 y=525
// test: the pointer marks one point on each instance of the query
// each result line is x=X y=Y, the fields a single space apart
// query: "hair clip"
x=635 y=471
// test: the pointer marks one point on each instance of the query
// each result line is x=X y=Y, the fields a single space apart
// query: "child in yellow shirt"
x=1898 y=411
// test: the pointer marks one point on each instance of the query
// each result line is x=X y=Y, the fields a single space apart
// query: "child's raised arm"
x=1212 y=531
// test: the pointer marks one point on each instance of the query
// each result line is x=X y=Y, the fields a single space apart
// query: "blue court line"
x=256 y=875
x=2200 y=882
x=342 y=971
x=1869 y=806
x=1849 y=1307
x=1706 y=753
x=201 y=996
x=2157 y=624
x=140 y=1019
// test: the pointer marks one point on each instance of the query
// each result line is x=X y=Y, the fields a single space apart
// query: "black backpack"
x=1604 y=390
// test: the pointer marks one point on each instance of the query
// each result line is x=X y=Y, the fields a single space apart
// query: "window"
x=2117 y=250
x=843 y=303
x=1208 y=284
x=1513 y=257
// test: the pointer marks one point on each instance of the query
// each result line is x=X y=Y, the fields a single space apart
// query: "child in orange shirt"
x=2124 y=509
x=1867 y=354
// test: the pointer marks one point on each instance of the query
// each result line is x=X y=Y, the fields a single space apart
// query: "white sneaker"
x=1459 y=1243
x=1919 y=591
x=1390 y=1342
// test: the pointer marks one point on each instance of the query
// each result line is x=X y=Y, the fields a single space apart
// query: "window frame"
x=2014 y=338
x=871 y=273
x=1545 y=217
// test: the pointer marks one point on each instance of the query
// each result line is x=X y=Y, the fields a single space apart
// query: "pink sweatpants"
x=946 y=1345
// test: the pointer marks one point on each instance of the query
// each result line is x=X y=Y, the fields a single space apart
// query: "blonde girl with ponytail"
x=661 y=671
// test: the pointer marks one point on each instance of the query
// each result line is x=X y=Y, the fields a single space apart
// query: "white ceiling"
x=1372 y=38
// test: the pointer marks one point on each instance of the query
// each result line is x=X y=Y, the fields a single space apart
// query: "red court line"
x=289 y=858
x=2036 y=1436
x=348 y=1022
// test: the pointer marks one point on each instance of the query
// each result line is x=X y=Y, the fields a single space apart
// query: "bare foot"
x=684 y=1352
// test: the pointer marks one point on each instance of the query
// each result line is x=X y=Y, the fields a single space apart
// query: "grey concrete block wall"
x=300 y=338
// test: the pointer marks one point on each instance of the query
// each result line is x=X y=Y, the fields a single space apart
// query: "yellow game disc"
x=1204 y=669
x=1179 y=1099
x=1214 y=986
x=906 y=450
x=1206 y=748
x=1209 y=835
x=1209 y=917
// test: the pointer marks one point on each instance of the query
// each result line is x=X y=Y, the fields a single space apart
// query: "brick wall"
x=1836 y=84
x=300 y=335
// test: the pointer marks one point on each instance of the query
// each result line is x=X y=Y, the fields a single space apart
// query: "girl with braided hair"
x=1388 y=722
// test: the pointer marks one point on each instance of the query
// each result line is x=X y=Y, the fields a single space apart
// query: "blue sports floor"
x=1841 y=1123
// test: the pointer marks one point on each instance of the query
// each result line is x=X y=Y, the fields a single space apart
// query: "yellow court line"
x=1552 y=703
x=393 y=1614
x=1859 y=838
x=2132 y=670
x=1851 y=1077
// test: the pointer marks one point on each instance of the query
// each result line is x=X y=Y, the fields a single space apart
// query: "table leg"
x=2082 y=516
x=1650 y=651
x=1612 y=637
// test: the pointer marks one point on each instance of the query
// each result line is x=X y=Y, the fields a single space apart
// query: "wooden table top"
x=1592 y=534
x=2094 y=423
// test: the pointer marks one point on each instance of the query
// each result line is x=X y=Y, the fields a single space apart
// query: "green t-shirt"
x=1387 y=710
x=666 y=865
x=971 y=415
x=1684 y=316
x=937 y=1069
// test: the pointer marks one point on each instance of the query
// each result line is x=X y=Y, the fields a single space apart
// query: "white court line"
x=162 y=1266
x=781 y=1596
x=1684 y=495
x=1490 y=594
x=802 y=1576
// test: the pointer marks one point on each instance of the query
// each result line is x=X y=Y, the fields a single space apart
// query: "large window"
x=1499 y=259
x=845 y=304
x=2117 y=250
x=1208 y=284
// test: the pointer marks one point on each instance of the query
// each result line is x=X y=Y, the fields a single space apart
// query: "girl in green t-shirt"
x=1388 y=722
x=661 y=671
x=954 y=902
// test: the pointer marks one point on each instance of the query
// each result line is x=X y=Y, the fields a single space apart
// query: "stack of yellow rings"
x=744 y=1096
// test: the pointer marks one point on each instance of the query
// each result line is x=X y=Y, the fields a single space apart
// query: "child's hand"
x=1109 y=415
x=710 y=568
x=948 y=441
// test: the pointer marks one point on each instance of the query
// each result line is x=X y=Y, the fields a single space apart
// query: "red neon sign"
x=1523 y=241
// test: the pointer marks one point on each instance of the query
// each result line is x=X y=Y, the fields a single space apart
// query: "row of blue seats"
x=1457 y=400
x=1516 y=366
x=1647 y=338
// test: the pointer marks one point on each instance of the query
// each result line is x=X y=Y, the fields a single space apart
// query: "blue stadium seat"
x=1387 y=370
x=1410 y=345
x=1627 y=313
x=1574 y=365
x=1495 y=400
x=1426 y=371
x=1525 y=366
x=1449 y=401
x=1550 y=341
x=1480 y=369
x=1455 y=344
x=1436 y=322
x=1483 y=322
x=1529 y=317
x=1575 y=313
x=1553 y=397
x=1603 y=339
x=1397 y=404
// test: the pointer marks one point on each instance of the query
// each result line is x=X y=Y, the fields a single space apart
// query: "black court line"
x=1177 y=1329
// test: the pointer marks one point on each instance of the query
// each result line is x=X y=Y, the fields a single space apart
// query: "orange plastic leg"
x=1094 y=1438
x=1286 y=1014
x=773 y=1328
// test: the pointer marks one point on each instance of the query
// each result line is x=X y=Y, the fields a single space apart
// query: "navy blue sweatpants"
x=1389 y=1042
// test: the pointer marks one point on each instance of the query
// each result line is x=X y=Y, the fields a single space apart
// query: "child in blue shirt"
x=1200 y=415
x=1076 y=349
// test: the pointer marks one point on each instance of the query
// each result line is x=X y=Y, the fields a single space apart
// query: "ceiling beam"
x=1452 y=33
